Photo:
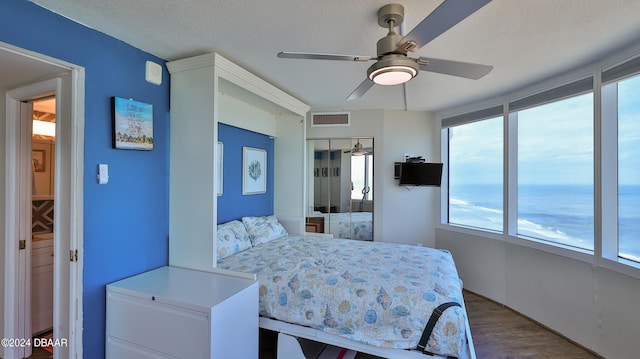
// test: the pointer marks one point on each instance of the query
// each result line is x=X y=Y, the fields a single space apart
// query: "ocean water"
x=556 y=213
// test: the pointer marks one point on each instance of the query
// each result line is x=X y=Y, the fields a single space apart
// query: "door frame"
x=68 y=86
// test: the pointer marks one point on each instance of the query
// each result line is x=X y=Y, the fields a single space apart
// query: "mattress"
x=380 y=294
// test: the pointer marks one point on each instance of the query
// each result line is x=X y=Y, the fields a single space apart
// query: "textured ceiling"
x=524 y=40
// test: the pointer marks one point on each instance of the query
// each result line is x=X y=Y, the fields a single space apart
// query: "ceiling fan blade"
x=361 y=89
x=444 y=17
x=314 y=56
x=455 y=68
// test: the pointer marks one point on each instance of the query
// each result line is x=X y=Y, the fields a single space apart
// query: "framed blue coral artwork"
x=254 y=170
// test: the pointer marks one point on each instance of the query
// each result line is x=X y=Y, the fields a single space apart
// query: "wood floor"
x=498 y=333
x=501 y=333
x=39 y=353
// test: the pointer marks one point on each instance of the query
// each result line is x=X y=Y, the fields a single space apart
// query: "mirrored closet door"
x=340 y=187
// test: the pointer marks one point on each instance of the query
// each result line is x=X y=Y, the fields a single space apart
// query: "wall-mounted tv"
x=420 y=174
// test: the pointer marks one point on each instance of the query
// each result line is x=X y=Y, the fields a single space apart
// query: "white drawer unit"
x=173 y=312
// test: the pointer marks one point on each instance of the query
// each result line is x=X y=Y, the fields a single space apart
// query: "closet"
x=340 y=187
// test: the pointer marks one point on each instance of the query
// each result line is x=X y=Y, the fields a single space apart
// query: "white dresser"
x=174 y=312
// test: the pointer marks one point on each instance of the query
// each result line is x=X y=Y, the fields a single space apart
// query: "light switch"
x=103 y=173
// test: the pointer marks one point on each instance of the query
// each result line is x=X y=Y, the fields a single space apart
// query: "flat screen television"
x=420 y=174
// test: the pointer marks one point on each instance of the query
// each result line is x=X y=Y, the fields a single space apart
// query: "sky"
x=555 y=143
x=476 y=153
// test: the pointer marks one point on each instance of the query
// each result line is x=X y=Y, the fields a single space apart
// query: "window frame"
x=609 y=78
x=485 y=114
x=564 y=92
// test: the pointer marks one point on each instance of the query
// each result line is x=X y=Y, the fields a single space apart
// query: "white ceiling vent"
x=325 y=119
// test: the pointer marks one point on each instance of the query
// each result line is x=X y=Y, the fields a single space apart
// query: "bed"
x=353 y=225
x=369 y=296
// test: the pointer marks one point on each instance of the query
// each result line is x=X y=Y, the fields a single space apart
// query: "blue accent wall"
x=125 y=221
x=232 y=204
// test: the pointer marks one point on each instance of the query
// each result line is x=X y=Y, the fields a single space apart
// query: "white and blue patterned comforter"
x=380 y=294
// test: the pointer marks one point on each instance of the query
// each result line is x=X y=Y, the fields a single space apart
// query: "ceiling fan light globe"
x=393 y=70
x=392 y=75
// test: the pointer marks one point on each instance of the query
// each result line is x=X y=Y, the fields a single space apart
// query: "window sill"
x=473 y=231
x=622 y=265
x=541 y=245
x=559 y=249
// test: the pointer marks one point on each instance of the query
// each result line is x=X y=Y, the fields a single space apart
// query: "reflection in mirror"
x=43 y=148
x=340 y=187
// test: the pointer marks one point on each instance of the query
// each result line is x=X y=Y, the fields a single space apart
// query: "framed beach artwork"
x=254 y=170
x=132 y=124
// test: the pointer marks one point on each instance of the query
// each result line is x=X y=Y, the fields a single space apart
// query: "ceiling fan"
x=358 y=149
x=393 y=66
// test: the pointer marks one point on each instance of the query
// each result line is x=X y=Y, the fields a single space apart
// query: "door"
x=67 y=85
x=42 y=213
x=24 y=190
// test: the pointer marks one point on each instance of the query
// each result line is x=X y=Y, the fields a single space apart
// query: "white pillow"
x=232 y=238
x=263 y=229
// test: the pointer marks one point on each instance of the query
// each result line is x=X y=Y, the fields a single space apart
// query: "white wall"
x=410 y=213
x=590 y=305
x=400 y=215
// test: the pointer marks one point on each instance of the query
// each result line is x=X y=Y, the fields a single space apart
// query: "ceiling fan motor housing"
x=390 y=16
x=388 y=44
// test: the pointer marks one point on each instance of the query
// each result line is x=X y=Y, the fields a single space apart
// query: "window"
x=629 y=168
x=555 y=172
x=571 y=173
x=476 y=174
